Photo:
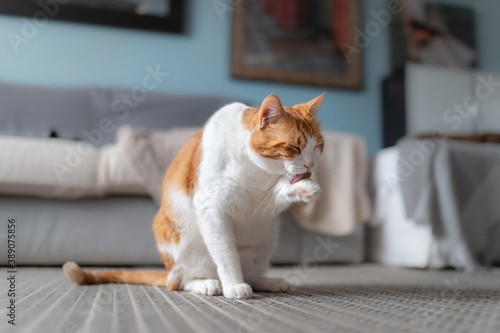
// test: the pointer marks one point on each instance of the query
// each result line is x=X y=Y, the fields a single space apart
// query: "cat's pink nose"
x=309 y=166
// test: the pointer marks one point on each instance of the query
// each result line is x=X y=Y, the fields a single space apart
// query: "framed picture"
x=158 y=15
x=434 y=34
x=297 y=41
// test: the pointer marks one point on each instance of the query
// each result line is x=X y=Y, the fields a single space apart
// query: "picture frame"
x=109 y=13
x=434 y=34
x=295 y=55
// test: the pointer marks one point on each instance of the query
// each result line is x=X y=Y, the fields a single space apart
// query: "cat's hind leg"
x=208 y=287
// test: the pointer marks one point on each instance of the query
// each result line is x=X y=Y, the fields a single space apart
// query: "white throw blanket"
x=344 y=200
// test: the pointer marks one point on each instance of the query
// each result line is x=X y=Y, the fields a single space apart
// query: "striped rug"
x=364 y=298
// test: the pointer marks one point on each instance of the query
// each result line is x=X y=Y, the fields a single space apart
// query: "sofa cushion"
x=117 y=231
x=57 y=168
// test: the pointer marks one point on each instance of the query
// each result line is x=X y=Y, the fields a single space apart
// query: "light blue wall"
x=64 y=54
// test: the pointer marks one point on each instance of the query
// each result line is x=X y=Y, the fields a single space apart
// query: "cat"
x=217 y=225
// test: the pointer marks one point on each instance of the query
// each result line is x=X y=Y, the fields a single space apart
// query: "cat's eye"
x=296 y=148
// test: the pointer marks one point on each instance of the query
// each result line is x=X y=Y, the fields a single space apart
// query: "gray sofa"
x=115 y=230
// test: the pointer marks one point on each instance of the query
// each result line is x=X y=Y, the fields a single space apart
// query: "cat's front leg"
x=219 y=238
x=306 y=190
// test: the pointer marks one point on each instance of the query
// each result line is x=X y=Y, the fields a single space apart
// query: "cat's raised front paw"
x=305 y=190
x=240 y=290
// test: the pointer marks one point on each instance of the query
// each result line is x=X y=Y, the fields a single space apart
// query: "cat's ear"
x=314 y=105
x=270 y=110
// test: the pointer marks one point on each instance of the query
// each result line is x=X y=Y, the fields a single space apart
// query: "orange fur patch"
x=166 y=233
x=164 y=228
x=183 y=171
x=168 y=261
x=250 y=118
x=174 y=284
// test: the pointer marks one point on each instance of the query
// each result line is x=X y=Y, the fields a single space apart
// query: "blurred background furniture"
x=440 y=101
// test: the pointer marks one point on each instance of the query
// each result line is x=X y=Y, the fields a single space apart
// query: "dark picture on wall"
x=434 y=34
x=157 y=15
x=297 y=41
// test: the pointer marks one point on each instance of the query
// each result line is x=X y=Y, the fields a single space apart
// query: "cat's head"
x=285 y=139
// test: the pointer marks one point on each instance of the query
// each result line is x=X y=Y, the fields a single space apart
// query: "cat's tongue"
x=298 y=178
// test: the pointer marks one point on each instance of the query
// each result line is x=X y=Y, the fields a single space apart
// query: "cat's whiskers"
x=275 y=202
x=270 y=190
x=334 y=125
x=327 y=121
x=272 y=179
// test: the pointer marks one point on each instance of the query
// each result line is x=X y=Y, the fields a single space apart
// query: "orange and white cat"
x=221 y=197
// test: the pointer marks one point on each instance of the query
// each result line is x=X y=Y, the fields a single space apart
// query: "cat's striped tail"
x=85 y=277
